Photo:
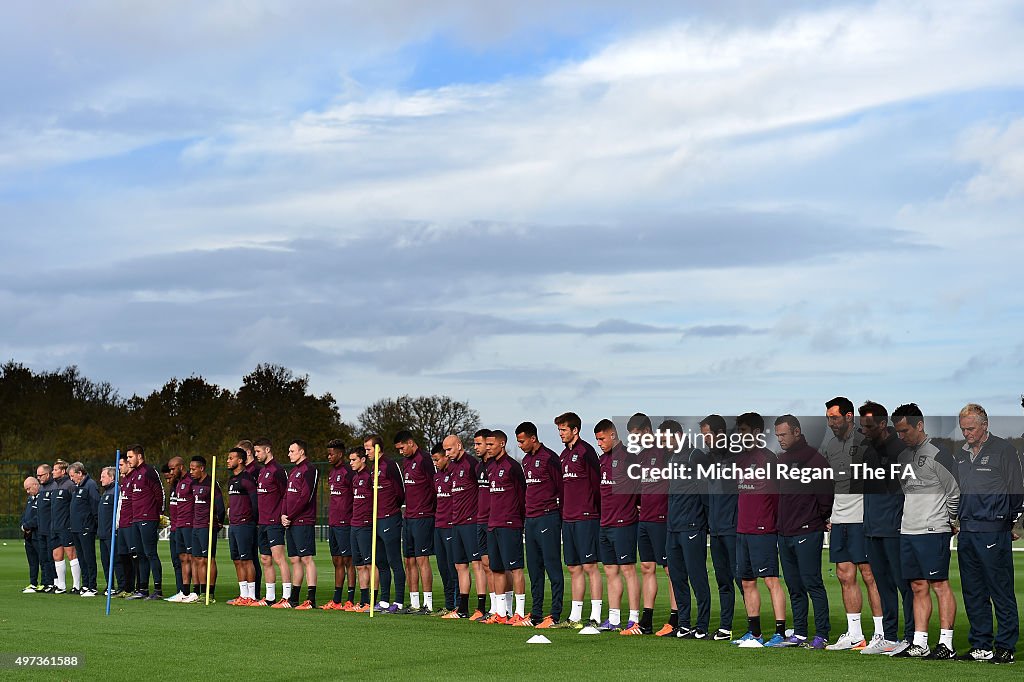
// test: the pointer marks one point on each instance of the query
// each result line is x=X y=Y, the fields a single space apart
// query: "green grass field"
x=164 y=641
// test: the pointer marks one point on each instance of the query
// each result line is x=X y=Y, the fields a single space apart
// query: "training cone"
x=538 y=639
x=590 y=631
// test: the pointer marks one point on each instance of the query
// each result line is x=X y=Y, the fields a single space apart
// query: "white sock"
x=252 y=589
x=945 y=637
x=921 y=639
x=500 y=604
x=635 y=616
x=59 y=566
x=76 y=573
x=286 y=590
x=879 y=628
x=853 y=627
x=509 y=604
x=494 y=602
x=428 y=600
x=242 y=589
x=521 y=605
x=614 y=616
x=576 y=612
x=595 y=610
x=414 y=600
x=271 y=592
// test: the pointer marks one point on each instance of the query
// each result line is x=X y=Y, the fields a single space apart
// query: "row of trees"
x=62 y=413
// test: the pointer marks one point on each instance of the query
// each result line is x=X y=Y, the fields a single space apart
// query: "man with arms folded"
x=84 y=507
x=339 y=519
x=991 y=502
x=929 y=512
x=505 y=523
x=466 y=551
x=757 y=549
x=241 y=526
x=619 y=518
x=271 y=484
x=883 y=511
x=804 y=508
x=844 y=447
x=543 y=472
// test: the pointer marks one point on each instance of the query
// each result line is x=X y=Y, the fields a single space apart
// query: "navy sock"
x=338 y=591
x=352 y=594
x=364 y=596
x=754 y=625
x=673 y=618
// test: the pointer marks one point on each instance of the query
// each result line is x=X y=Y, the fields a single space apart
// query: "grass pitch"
x=178 y=641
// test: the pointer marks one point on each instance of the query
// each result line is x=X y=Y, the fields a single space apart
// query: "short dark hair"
x=438 y=449
x=241 y=452
x=875 y=410
x=374 y=439
x=788 y=419
x=165 y=469
x=604 y=425
x=527 y=428
x=639 y=422
x=715 y=422
x=357 y=450
x=570 y=419
x=301 y=443
x=845 y=405
x=911 y=412
x=670 y=425
x=403 y=436
x=751 y=420
x=498 y=434
x=137 y=449
x=262 y=442
x=336 y=444
x=482 y=433
x=200 y=460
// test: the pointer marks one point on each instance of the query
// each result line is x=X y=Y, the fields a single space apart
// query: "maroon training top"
x=443 y=494
x=147 y=493
x=390 y=492
x=300 y=497
x=362 y=498
x=619 y=495
x=483 y=498
x=339 y=506
x=464 y=489
x=418 y=478
x=543 y=473
x=508 y=494
x=653 y=494
x=758 y=503
x=581 y=483
x=270 y=487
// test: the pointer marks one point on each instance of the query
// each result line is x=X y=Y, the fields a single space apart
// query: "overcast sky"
x=603 y=207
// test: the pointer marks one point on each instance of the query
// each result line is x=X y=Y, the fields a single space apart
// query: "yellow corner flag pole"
x=209 y=541
x=373 y=533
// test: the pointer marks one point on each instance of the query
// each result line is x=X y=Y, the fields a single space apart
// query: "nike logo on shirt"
x=800 y=542
x=692 y=536
x=544 y=530
x=990 y=546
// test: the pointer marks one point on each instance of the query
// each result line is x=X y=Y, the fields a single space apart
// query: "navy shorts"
x=650 y=542
x=757 y=556
x=466 y=545
x=618 y=545
x=925 y=556
x=362 y=537
x=846 y=544
x=580 y=541
x=339 y=539
x=418 y=537
x=62 y=538
x=200 y=542
x=300 y=540
x=505 y=547
x=482 y=535
x=268 y=536
x=183 y=540
x=240 y=537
